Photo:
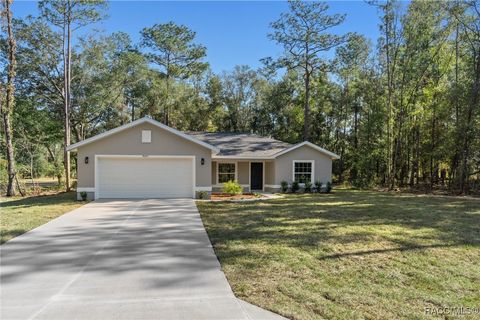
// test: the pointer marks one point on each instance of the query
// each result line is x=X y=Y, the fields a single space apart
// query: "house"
x=147 y=159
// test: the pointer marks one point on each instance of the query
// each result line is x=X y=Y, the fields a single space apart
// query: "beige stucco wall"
x=214 y=172
x=243 y=172
x=270 y=172
x=129 y=142
x=242 y=167
x=284 y=164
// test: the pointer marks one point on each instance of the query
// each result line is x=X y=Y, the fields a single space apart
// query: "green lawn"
x=350 y=254
x=19 y=215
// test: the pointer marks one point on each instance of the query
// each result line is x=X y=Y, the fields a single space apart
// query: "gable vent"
x=146 y=136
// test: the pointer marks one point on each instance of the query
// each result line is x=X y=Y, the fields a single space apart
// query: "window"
x=302 y=171
x=226 y=172
x=146 y=136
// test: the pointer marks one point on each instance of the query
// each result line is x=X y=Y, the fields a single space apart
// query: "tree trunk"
x=475 y=92
x=432 y=151
x=453 y=183
x=67 y=79
x=7 y=106
x=167 y=100
x=389 y=95
x=133 y=111
x=356 y=112
x=306 y=112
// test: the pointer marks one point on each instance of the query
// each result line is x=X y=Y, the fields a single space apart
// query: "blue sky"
x=234 y=33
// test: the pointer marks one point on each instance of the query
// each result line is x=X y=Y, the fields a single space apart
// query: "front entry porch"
x=251 y=174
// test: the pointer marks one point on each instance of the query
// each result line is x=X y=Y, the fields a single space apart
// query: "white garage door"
x=144 y=177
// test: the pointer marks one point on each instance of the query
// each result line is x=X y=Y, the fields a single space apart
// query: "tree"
x=302 y=33
x=108 y=69
x=172 y=48
x=69 y=15
x=405 y=114
x=240 y=96
x=467 y=15
x=353 y=70
x=7 y=103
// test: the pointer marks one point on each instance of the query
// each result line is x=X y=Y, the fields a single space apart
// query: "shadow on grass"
x=397 y=249
x=356 y=219
x=6 y=235
x=44 y=200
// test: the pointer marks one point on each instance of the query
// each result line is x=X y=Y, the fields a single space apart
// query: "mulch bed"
x=223 y=196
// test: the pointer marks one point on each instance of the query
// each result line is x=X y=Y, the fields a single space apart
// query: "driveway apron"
x=119 y=259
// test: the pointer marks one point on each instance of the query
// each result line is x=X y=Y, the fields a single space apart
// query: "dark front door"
x=256 y=176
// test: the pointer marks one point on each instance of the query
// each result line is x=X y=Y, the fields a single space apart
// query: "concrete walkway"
x=127 y=259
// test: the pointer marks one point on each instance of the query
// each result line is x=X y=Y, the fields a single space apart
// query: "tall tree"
x=172 y=48
x=106 y=68
x=69 y=15
x=6 y=106
x=467 y=15
x=389 y=44
x=302 y=33
x=351 y=65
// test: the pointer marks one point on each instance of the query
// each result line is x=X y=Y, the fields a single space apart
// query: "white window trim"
x=97 y=156
x=312 y=178
x=235 y=163
x=250 y=175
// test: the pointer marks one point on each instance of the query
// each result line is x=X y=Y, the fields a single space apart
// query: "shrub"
x=329 y=187
x=284 y=186
x=318 y=186
x=83 y=194
x=202 y=195
x=295 y=186
x=308 y=186
x=232 y=187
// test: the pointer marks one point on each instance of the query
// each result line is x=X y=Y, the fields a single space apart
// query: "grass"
x=19 y=215
x=350 y=254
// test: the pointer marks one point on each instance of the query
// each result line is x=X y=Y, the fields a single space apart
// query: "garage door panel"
x=145 y=177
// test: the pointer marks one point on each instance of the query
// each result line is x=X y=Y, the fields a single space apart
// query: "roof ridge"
x=234 y=133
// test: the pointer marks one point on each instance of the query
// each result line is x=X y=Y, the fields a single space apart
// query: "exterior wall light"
x=202 y=161
x=86 y=160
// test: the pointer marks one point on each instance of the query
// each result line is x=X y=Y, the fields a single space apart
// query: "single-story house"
x=147 y=159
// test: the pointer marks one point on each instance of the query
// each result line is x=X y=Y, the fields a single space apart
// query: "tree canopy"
x=402 y=111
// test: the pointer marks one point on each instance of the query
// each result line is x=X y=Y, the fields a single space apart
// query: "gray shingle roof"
x=241 y=144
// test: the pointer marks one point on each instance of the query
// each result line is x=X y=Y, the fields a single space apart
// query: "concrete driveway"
x=126 y=259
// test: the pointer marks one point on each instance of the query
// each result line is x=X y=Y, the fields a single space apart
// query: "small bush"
x=202 y=195
x=308 y=186
x=295 y=186
x=318 y=186
x=83 y=194
x=329 y=187
x=232 y=187
x=284 y=186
